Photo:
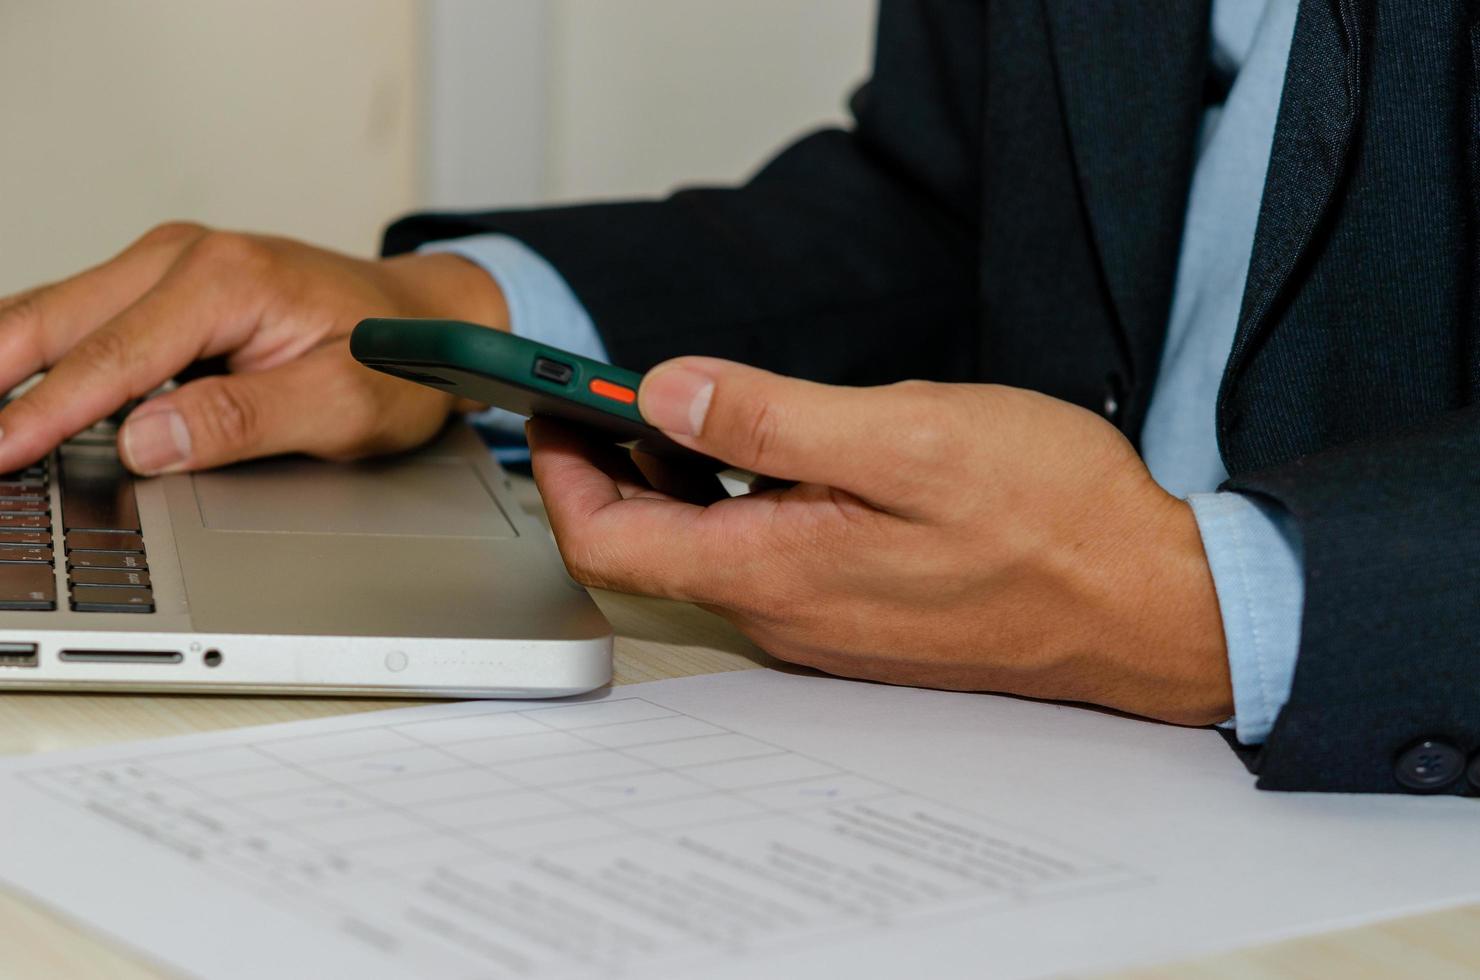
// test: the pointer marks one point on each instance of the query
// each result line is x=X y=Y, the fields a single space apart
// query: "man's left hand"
x=969 y=537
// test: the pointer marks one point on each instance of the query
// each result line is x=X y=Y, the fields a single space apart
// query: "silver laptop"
x=414 y=575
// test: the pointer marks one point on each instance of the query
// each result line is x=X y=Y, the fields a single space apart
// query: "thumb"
x=767 y=423
x=220 y=419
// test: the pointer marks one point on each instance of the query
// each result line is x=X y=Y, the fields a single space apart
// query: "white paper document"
x=752 y=824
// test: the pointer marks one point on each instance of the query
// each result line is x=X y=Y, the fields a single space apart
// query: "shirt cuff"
x=1255 y=554
x=541 y=305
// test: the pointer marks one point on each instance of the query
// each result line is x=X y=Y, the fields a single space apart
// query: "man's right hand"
x=279 y=313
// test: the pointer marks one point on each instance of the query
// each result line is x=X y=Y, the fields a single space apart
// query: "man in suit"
x=1195 y=289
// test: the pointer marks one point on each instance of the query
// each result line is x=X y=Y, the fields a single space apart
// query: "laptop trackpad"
x=416 y=496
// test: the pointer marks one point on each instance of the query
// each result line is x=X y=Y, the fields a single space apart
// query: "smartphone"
x=524 y=377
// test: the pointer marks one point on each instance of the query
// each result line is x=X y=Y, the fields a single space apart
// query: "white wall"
x=324 y=118
x=485 y=106
x=534 y=100
x=650 y=93
x=284 y=115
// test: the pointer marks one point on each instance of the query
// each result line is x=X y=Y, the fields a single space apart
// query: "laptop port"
x=19 y=655
x=548 y=370
x=120 y=657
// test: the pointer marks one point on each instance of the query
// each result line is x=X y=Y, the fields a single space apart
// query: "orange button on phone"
x=612 y=390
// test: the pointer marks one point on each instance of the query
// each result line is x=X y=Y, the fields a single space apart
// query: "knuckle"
x=759 y=426
x=368 y=425
x=171 y=233
x=28 y=410
x=109 y=351
x=930 y=442
x=593 y=561
x=582 y=564
x=578 y=568
x=22 y=311
x=229 y=250
x=225 y=414
x=930 y=432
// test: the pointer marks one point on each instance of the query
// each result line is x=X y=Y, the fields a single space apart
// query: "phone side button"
x=551 y=370
x=612 y=390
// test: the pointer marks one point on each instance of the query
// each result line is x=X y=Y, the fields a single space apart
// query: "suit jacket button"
x=1429 y=766
x=1114 y=393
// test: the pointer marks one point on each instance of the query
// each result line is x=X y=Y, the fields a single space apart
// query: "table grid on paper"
x=594 y=837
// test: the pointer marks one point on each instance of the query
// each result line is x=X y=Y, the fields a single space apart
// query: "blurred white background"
x=323 y=119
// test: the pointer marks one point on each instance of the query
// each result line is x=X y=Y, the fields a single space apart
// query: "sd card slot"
x=120 y=657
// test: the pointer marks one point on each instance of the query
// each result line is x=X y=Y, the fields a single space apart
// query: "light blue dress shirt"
x=1252 y=547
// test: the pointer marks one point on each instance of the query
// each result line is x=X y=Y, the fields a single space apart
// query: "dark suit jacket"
x=1008 y=208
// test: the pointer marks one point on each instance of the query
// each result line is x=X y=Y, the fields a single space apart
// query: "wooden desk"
x=655 y=639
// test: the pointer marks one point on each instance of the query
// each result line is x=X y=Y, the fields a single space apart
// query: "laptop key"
x=102 y=598
x=124 y=578
x=27 y=586
x=97 y=435
x=104 y=541
x=97 y=493
x=33 y=521
x=38 y=538
x=25 y=505
x=14 y=552
x=105 y=559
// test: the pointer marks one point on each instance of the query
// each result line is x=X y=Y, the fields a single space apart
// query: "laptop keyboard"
x=26 y=577
x=102 y=545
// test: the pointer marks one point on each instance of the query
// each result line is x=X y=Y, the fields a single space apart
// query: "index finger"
x=39 y=325
x=650 y=545
x=147 y=344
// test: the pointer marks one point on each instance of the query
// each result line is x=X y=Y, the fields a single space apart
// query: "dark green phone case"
x=525 y=377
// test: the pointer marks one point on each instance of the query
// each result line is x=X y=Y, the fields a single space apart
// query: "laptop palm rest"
x=415 y=546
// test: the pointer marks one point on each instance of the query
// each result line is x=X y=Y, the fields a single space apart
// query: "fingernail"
x=157 y=442
x=676 y=400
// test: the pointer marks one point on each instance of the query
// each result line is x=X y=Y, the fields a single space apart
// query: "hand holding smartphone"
x=524 y=377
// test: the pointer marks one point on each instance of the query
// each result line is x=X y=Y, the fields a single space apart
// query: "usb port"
x=18 y=655
x=548 y=370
